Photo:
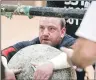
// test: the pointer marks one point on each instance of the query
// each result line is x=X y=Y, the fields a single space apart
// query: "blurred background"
x=19 y=28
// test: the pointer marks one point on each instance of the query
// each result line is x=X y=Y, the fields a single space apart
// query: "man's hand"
x=44 y=71
x=10 y=73
x=69 y=53
x=89 y=71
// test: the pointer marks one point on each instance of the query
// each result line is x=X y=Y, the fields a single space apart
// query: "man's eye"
x=51 y=29
x=41 y=28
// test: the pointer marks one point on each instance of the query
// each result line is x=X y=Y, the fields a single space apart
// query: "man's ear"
x=63 y=32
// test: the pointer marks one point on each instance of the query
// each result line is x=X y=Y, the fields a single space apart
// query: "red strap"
x=7 y=51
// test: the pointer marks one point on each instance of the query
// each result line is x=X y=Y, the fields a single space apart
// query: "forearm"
x=61 y=61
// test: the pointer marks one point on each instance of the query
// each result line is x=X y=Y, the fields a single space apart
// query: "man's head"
x=51 y=30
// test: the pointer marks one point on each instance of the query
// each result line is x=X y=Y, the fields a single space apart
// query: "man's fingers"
x=46 y=77
x=41 y=76
x=67 y=50
x=36 y=76
x=16 y=71
x=35 y=64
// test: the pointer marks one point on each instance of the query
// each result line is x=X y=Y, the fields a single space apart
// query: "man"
x=52 y=31
x=54 y=36
x=84 y=52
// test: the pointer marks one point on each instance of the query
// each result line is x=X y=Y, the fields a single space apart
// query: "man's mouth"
x=46 y=39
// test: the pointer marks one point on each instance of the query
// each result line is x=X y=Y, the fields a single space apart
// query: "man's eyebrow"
x=41 y=25
x=52 y=26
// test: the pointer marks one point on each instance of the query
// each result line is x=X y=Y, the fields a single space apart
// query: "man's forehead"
x=50 y=21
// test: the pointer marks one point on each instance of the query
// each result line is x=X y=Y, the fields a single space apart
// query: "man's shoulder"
x=68 y=41
x=68 y=37
x=35 y=41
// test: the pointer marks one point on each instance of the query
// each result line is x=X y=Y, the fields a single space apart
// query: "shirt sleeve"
x=11 y=50
x=87 y=27
x=23 y=44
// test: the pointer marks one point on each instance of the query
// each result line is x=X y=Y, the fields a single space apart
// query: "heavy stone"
x=36 y=54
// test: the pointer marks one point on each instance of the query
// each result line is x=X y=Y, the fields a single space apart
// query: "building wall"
x=33 y=3
x=19 y=28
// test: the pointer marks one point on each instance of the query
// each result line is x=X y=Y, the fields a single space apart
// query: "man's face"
x=50 y=31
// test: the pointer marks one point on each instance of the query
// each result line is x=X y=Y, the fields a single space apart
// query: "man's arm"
x=60 y=62
x=4 y=62
x=11 y=50
x=9 y=73
x=84 y=52
x=7 y=54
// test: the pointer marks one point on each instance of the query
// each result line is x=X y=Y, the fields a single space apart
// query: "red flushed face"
x=50 y=31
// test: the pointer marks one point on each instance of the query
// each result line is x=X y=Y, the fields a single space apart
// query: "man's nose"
x=46 y=32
